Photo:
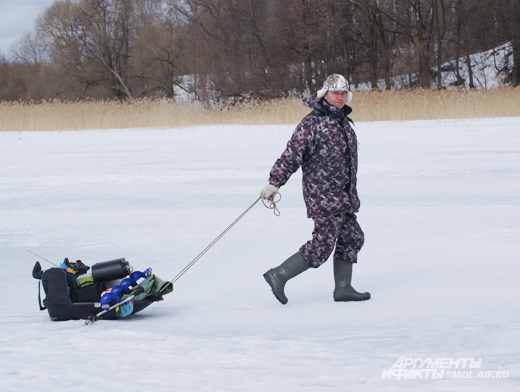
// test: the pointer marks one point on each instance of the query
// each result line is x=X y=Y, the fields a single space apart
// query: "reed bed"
x=396 y=105
x=418 y=104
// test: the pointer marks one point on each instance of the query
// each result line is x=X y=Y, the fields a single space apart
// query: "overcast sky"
x=17 y=17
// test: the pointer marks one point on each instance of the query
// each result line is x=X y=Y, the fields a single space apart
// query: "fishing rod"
x=43 y=258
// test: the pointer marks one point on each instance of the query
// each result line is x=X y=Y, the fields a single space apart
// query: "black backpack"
x=61 y=288
x=58 y=285
x=90 y=292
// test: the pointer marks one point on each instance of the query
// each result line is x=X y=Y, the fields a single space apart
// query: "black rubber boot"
x=277 y=277
x=343 y=278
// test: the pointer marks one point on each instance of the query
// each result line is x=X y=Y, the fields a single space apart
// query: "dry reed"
x=399 y=105
x=402 y=105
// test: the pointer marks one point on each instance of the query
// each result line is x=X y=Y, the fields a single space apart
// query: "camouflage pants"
x=340 y=231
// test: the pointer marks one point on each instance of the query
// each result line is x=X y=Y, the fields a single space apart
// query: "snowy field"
x=440 y=210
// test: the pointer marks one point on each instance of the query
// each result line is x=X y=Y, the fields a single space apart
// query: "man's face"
x=336 y=98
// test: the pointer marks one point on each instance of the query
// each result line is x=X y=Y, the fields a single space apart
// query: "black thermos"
x=110 y=270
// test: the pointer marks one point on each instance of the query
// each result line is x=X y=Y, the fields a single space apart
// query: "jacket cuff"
x=275 y=183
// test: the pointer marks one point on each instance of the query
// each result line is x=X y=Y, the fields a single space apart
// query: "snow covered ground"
x=441 y=214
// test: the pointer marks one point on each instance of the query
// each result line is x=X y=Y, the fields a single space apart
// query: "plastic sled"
x=84 y=310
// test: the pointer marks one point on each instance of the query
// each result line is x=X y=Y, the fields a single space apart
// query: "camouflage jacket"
x=325 y=146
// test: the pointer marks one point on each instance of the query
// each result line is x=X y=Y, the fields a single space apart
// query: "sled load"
x=109 y=290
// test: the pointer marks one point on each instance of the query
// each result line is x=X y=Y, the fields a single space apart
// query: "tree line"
x=231 y=50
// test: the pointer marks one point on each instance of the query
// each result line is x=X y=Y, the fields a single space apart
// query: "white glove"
x=269 y=191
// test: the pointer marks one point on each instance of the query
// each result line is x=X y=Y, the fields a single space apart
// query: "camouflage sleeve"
x=293 y=156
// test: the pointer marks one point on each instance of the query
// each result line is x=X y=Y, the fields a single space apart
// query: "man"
x=325 y=146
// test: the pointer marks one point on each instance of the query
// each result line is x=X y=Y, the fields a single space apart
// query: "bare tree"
x=231 y=50
x=31 y=49
x=91 y=40
x=508 y=17
x=158 y=48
